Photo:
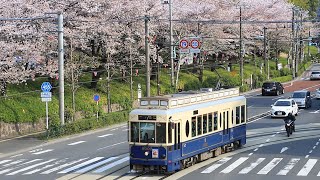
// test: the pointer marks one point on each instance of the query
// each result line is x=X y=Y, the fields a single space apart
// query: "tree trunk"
x=3 y=88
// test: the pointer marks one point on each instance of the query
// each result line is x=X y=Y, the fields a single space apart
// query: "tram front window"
x=147 y=132
x=134 y=132
x=161 y=133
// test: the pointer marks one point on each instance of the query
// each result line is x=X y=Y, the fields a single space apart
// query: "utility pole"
x=265 y=50
x=131 y=71
x=61 y=67
x=171 y=44
x=240 y=54
x=146 y=21
x=293 y=66
x=309 y=41
x=72 y=80
x=108 y=83
x=276 y=54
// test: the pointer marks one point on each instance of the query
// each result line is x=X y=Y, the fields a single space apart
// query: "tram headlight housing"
x=163 y=156
x=146 y=153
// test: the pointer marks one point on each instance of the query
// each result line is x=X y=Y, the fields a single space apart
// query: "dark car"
x=273 y=88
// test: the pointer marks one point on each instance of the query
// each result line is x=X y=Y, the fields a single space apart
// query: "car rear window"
x=299 y=95
x=268 y=85
x=315 y=73
x=282 y=103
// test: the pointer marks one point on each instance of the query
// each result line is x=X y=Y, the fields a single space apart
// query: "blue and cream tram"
x=172 y=132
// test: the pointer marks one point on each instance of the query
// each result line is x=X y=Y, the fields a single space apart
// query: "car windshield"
x=315 y=73
x=268 y=85
x=282 y=103
x=298 y=95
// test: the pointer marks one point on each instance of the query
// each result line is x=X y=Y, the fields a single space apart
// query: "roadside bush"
x=285 y=72
x=56 y=130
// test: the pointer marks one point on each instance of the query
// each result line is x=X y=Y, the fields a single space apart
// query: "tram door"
x=225 y=125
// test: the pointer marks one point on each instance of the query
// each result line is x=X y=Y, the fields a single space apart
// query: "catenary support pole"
x=61 y=67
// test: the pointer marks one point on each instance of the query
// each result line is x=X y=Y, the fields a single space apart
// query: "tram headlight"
x=163 y=156
x=146 y=153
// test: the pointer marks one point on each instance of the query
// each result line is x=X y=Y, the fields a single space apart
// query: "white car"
x=282 y=107
x=318 y=93
x=315 y=75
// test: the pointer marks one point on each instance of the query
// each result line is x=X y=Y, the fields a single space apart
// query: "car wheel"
x=282 y=91
x=277 y=93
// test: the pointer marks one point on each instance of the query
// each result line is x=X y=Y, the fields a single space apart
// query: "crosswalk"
x=263 y=166
x=10 y=167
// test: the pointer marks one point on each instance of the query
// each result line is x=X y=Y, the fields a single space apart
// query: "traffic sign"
x=46 y=87
x=195 y=45
x=96 y=97
x=46 y=94
x=46 y=99
x=184 y=44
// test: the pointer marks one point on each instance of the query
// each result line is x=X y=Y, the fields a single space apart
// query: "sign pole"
x=97 y=110
x=47 y=115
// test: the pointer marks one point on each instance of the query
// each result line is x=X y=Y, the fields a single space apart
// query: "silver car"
x=315 y=75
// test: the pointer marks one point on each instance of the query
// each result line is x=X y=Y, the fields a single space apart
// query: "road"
x=103 y=154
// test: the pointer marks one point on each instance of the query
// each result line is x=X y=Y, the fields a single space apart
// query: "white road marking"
x=13 y=163
x=216 y=165
x=105 y=135
x=314 y=147
x=307 y=167
x=45 y=167
x=125 y=130
x=35 y=150
x=310 y=152
x=16 y=155
x=41 y=152
x=250 y=154
x=30 y=167
x=80 y=165
x=75 y=143
x=270 y=166
x=113 y=145
x=4 y=161
x=307 y=156
x=86 y=169
x=62 y=166
x=284 y=149
x=317 y=143
x=288 y=167
x=256 y=149
x=273 y=135
x=252 y=166
x=261 y=145
x=109 y=166
x=114 y=129
x=282 y=129
x=267 y=140
x=234 y=165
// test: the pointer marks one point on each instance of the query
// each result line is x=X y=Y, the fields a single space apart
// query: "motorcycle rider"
x=292 y=118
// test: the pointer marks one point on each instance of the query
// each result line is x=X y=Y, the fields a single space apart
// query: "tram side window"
x=193 y=128
x=210 y=122
x=215 y=121
x=134 y=132
x=199 y=122
x=243 y=114
x=161 y=133
x=220 y=120
x=147 y=132
x=204 y=125
x=238 y=115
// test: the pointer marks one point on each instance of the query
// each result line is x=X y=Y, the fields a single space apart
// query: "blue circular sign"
x=46 y=87
x=96 y=97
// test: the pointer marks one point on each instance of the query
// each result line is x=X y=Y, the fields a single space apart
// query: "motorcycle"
x=290 y=127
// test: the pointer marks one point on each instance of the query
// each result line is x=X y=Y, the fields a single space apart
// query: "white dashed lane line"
x=41 y=152
x=75 y=143
x=106 y=135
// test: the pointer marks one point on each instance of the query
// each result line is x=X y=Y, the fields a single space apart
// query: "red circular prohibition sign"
x=195 y=44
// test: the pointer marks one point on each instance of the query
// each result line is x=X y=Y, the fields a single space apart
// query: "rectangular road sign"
x=46 y=94
x=45 y=99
